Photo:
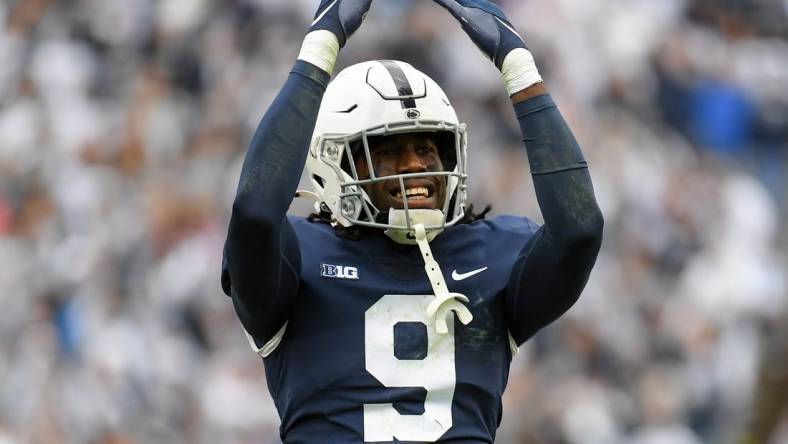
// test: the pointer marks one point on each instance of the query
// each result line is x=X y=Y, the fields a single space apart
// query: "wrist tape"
x=519 y=70
x=320 y=48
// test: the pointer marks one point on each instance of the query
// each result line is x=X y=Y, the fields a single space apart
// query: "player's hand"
x=487 y=26
x=341 y=17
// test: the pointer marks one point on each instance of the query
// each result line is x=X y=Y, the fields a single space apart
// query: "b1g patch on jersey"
x=338 y=271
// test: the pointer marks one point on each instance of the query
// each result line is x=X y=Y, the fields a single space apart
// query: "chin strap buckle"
x=445 y=302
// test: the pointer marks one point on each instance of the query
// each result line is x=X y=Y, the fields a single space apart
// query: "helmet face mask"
x=363 y=103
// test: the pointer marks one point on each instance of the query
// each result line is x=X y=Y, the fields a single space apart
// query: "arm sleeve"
x=261 y=256
x=553 y=266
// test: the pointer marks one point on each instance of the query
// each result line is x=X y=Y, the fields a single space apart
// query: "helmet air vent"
x=349 y=110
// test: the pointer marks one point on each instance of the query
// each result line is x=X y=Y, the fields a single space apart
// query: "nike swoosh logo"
x=460 y=276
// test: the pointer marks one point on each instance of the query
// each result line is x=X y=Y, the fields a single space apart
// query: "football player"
x=394 y=314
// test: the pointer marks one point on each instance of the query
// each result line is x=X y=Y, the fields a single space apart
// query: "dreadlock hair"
x=357 y=232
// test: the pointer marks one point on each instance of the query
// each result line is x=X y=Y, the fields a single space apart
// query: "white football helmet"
x=381 y=98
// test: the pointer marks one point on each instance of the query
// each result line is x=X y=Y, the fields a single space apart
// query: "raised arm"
x=553 y=267
x=555 y=263
x=261 y=263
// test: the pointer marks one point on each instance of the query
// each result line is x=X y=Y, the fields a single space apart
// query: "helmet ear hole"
x=319 y=180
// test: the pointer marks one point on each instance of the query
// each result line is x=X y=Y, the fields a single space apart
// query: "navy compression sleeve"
x=262 y=259
x=555 y=263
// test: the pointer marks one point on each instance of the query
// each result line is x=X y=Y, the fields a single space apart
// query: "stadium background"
x=123 y=124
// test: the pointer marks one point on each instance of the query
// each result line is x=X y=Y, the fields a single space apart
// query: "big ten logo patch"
x=338 y=271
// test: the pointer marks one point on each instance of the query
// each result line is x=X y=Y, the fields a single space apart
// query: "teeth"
x=415 y=193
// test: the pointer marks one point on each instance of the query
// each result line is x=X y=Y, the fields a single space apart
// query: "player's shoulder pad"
x=303 y=223
x=311 y=232
x=512 y=224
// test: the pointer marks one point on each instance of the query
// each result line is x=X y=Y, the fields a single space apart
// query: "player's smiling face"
x=403 y=154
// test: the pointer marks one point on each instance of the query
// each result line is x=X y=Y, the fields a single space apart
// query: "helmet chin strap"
x=445 y=302
x=399 y=217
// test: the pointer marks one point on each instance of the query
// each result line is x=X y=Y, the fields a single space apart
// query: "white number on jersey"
x=436 y=372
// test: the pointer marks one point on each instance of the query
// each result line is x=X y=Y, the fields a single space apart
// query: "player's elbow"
x=584 y=234
x=590 y=230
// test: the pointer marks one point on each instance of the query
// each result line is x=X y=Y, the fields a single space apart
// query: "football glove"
x=487 y=26
x=341 y=17
x=335 y=21
x=491 y=31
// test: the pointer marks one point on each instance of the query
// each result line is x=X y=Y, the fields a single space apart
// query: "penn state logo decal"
x=413 y=114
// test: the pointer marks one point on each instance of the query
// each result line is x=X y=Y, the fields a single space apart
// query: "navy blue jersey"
x=348 y=350
x=360 y=362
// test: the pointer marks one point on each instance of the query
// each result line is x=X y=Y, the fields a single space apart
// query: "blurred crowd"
x=123 y=125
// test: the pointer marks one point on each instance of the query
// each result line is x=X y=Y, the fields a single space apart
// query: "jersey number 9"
x=435 y=372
